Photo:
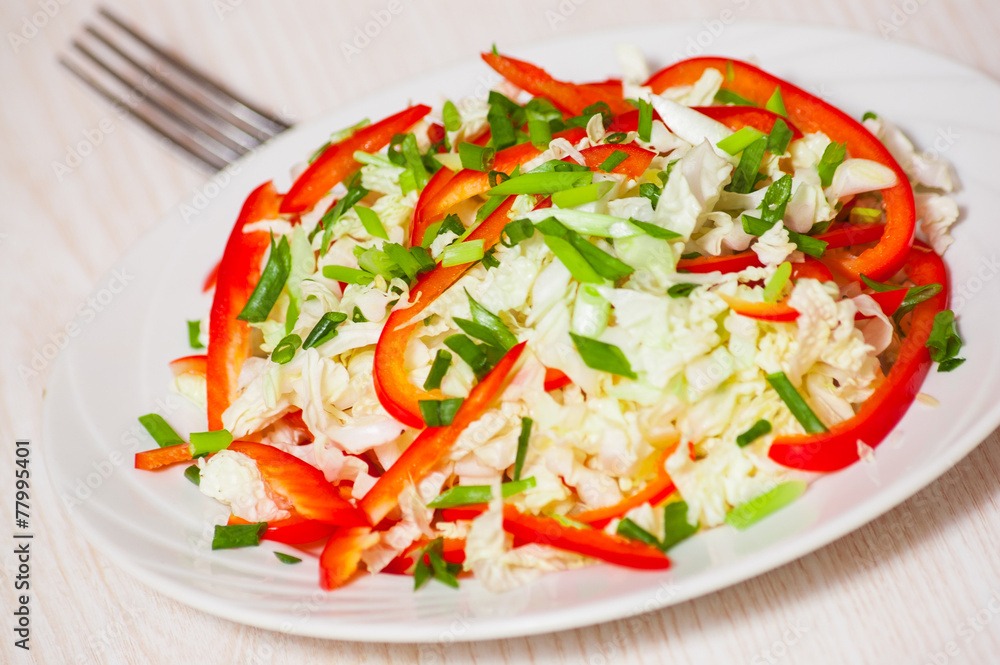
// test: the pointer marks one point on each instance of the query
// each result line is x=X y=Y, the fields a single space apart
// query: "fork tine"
x=184 y=142
x=239 y=106
x=223 y=146
x=219 y=117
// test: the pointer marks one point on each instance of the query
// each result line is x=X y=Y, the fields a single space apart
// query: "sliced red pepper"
x=889 y=301
x=149 y=460
x=811 y=269
x=341 y=556
x=392 y=385
x=189 y=364
x=337 y=162
x=435 y=442
x=555 y=379
x=468 y=183
x=452 y=551
x=590 y=542
x=421 y=220
x=811 y=114
x=436 y=134
x=239 y=272
x=294 y=530
x=762 y=311
x=655 y=491
x=469 y=512
x=879 y=414
x=301 y=484
x=569 y=98
x=845 y=235
x=633 y=166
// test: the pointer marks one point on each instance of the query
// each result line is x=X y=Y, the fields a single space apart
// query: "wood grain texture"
x=896 y=591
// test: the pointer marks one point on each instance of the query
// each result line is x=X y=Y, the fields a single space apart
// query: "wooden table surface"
x=918 y=585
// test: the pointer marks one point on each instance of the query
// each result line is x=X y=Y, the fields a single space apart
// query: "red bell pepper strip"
x=762 y=311
x=468 y=183
x=294 y=530
x=239 y=272
x=811 y=269
x=633 y=166
x=211 y=278
x=555 y=379
x=435 y=134
x=341 y=556
x=301 y=484
x=609 y=88
x=392 y=386
x=337 y=161
x=590 y=542
x=463 y=512
x=889 y=301
x=189 y=364
x=569 y=98
x=452 y=551
x=420 y=219
x=655 y=491
x=434 y=442
x=879 y=414
x=811 y=114
x=845 y=235
x=149 y=460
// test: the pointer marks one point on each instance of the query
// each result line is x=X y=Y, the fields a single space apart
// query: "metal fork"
x=188 y=108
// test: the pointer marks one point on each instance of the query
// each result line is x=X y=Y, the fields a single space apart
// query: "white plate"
x=158 y=527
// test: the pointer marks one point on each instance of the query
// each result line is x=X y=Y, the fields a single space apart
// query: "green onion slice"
x=793 y=400
x=228 y=536
x=285 y=350
x=371 y=222
x=348 y=275
x=779 y=138
x=675 y=525
x=745 y=175
x=757 y=430
x=451 y=117
x=632 y=531
x=439 y=412
x=603 y=357
x=542 y=183
x=162 y=433
x=645 y=127
x=194 y=331
x=654 y=230
x=324 y=330
x=193 y=473
x=272 y=281
x=522 y=446
x=442 y=361
x=682 y=290
x=613 y=161
x=287 y=558
x=466 y=495
x=775 y=285
x=571 y=198
x=738 y=141
x=462 y=252
x=776 y=103
x=833 y=157
x=474 y=157
x=206 y=443
x=471 y=353
x=754 y=510
x=944 y=342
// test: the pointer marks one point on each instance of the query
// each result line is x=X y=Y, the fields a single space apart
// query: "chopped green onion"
x=462 y=252
x=655 y=231
x=324 y=330
x=861 y=215
x=291 y=314
x=539 y=129
x=571 y=198
x=371 y=222
x=682 y=290
x=833 y=157
x=772 y=207
x=585 y=223
x=793 y=400
x=542 y=183
x=193 y=473
x=558 y=166
x=467 y=495
x=776 y=103
x=439 y=569
x=745 y=175
x=615 y=137
x=916 y=295
x=675 y=525
x=738 y=141
x=613 y=161
x=357 y=316
x=402 y=257
x=775 y=285
x=194 y=331
x=228 y=536
x=450 y=223
x=505 y=338
x=206 y=443
x=442 y=361
x=475 y=157
x=414 y=160
x=729 y=97
x=522 y=446
x=744 y=515
x=757 y=430
x=879 y=286
x=287 y=558
x=348 y=275
x=407 y=181
x=451 y=117
x=648 y=190
x=869 y=115
x=355 y=192
x=377 y=262
x=490 y=260
x=285 y=350
x=498 y=116
x=516 y=231
x=272 y=281
x=470 y=352
x=602 y=357
x=162 y=433
x=779 y=138
x=944 y=342
x=439 y=412
x=632 y=531
x=603 y=263
x=690 y=255
x=807 y=244
x=487 y=209
x=645 y=126
x=578 y=266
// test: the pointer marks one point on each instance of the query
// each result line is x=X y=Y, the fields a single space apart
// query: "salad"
x=565 y=324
